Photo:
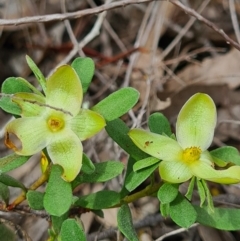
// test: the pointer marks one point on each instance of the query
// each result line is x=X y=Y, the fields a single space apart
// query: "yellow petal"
x=159 y=146
x=27 y=135
x=86 y=124
x=196 y=122
x=204 y=171
x=174 y=171
x=67 y=151
x=64 y=90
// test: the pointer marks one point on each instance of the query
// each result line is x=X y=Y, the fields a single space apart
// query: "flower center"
x=55 y=124
x=191 y=154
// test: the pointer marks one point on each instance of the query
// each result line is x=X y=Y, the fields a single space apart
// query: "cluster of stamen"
x=191 y=154
x=55 y=124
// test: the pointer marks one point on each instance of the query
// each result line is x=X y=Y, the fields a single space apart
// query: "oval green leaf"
x=58 y=197
x=182 y=212
x=125 y=224
x=167 y=192
x=11 y=162
x=4 y=193
x=35 y=200
x=10 y=181
x=146 y=162
x=84 y=68
x=134 y=179
x=117 y=104
x=159 y=124
x=221 y=218
x=104 y=171
x=87 y=165
x=72 y=231
x=99 y=200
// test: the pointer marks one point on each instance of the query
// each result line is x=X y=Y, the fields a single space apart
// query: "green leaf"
x=159 y=124
x=98 y=213
x=201 y=192
x=146 y=162
x=165 y=209
x=130 y=164
x=10 y=181
x=118 y=131
x=6 y=233
x=227 y=154
x=134 y=179
x=222 y=218
x=57 y=222
x=125 y=224
x=4 y=193
x=72 y=230
x=13 y=85
x=117 y=104
x=99 y=200
x=37 y=72
x=12 y=162
x=189 y=193
x=87 y=165
x=167 y=192
x=35 y=200
x=85 y=71
x=58 y=197
x=209 y=197
x=104 y=171
x=182 y=212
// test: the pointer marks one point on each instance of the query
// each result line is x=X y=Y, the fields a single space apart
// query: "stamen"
x=191 y=154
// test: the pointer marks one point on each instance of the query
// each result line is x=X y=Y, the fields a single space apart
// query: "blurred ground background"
x=155 y=47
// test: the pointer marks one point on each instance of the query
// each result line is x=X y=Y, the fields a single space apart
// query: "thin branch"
x=210 y=24
x=73 y=15
x=234 y=19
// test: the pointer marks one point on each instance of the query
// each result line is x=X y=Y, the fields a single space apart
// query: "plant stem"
x=42 y=179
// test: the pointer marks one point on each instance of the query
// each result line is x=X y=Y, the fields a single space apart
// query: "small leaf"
x=38 y=74
x=87 y=165
x=72 y=230
x=125 y=224
x=118 y=131
x=209 y=197
x=124 y=192
x=117 y=104
x=189 y=193
x=7 y=234
x=99 y=200
x=99 y=213
x=165 y=209
x=134 y=179
x=182 y=212
x=10 y=181
x=104 y=171
x=146 y=162
x=85 y=71
x=4 y=193
x=159 y=124
x=13 y=85
x=12 y=162
x=35 y=200
x=57 y=222
x=227 y=154
x=167 y=192
x=222 y=218
x=201 y=192
x=58 y=197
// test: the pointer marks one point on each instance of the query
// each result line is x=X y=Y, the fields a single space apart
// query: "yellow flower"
x=187 y=156
x=54 y=121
